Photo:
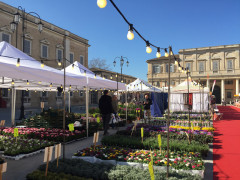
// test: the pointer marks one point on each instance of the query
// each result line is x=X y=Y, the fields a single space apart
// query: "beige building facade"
x=51 y=45
x=220 y=63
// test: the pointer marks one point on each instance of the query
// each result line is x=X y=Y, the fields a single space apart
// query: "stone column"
x=222 y=90
x=237 y=86
x=208 y=84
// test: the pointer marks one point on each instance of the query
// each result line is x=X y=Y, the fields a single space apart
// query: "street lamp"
x=22 y=14
x=121 y=63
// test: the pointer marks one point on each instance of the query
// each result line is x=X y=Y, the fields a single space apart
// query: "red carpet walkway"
x=226 y=144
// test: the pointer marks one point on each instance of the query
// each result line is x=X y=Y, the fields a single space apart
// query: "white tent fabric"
x=93 y=81
x=141 y=85
x=199 y=100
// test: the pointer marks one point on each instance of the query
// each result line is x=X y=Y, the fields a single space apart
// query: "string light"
x=111 y=77
x=148 y=48
x=42 y=65
x=130 y=34
x=18 y=62
x=50 y=85
x=39 y=82
x=9 y=89
x=27 y=82
x=27 y=90
x=158 y=53
x=176 y=62
x=95 y=76
x=116 y=75
x=70 y=86
x=61 y=86
x=72 y=66
x=102 y=3
x=166 y=53
x=59 y=62
x=85 y=72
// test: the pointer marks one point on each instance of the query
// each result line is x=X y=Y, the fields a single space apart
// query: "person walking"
x=106 y=109
x=147 y=103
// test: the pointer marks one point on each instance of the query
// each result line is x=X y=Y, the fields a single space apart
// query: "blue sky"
x=180 y=23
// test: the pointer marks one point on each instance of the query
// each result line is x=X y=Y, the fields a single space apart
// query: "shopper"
x=147 y=103
x=105 y=106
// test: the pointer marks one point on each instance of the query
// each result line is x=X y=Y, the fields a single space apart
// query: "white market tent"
x=32 y=76
x=199 y=97
x=140 y=85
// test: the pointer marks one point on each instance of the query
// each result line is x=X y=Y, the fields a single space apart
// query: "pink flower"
x=193 y=166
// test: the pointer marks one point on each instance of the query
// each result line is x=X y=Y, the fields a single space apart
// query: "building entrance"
x=217 y=93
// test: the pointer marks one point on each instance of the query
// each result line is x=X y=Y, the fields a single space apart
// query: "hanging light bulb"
x=18 y=62
x=61 y=86
x=95 y=76
x=111 y=77
x=102 y=3
x=130 y=34
x=85 y=72
x=9 y=89
x=13 y=82
x=39 y=82
x=50 y=85
x=103 y=77
x=72 y=66
x=179 y=68
x=116 y=75
x=59 y=62
x=42 y=65
x=27 y=90
x=70 y=86
x=148 y=48
x=176 y=62
x=27 y=82
x=158 y=53
x=166 y=53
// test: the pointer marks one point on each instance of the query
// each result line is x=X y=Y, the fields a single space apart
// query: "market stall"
x=198 y=97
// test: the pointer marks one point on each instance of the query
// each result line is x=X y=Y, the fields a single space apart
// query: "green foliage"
x=201 y=138
x=80 y=168
x=40 y=175
x=152 y=143
x=131 y=173
x=94 y=110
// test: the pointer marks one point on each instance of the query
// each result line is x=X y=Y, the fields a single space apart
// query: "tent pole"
x=126 y=104
x=69 y=102
x=168 y=119
x=64 y=106
x=13 y=105
x=87 y=108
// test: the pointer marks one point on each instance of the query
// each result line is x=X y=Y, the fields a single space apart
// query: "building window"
x=229 y=65
x=171 y=67
x=6 y=37
x=156 y=69
x=201 y=67
x=71 y=58
x=81 y=93
x=229 y=94
x=4 y=92
x=228 y=82
x=94 y=97
x=82 y=60
x=189 y=66
x=215 y=66
x=44 y=51
x=59 y=54
x=27 y=46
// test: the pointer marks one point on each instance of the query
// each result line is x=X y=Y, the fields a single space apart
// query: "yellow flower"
x=83 y=154
x=165 y=162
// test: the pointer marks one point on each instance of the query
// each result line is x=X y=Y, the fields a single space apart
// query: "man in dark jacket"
x=147 y=103
x=105 y=106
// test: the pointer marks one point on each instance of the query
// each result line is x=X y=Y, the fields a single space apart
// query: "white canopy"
x=183 y=88
x=178 y=97
x=77 y=69
x=141 y=85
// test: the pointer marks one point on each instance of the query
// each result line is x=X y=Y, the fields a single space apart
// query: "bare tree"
x=99 y=63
